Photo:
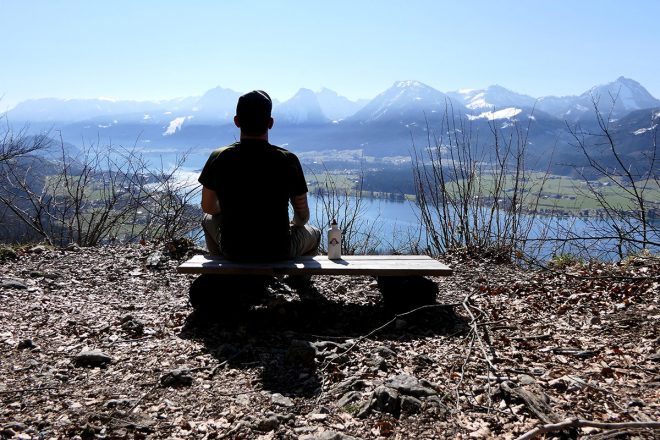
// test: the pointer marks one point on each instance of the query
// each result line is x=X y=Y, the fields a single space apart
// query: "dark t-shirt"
x=254 y=182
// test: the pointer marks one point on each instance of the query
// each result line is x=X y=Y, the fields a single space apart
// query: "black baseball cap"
x=254 y=106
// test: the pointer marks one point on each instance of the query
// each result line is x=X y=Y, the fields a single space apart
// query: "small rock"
x=268 y=424
x=117 y=403
x=92 y=358
x=636 y=402
x=13 y=283
x=156 y=260
x=26 y=344
x=7 y=433
x=410 y=405
x=379 y=363
x=133 y=326
x=15 y=426
x=39 y=249
x=176 y=378
x=352 y=383
x=328 y=435
x=386 y=352
x=73 y=247
x=385 y=400
x=525 y=379
x=348 y=398
x=301 y=353
x=281 y=400
x=316 y=417
x=409 y=385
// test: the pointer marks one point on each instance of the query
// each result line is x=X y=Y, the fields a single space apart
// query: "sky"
x=148 y=50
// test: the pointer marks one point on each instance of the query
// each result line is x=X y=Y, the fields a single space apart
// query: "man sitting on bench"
x=247 y=188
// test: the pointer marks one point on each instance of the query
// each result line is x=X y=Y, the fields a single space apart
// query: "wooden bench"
x=375 y=265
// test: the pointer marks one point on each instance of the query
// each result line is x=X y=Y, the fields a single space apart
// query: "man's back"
x=254 y=182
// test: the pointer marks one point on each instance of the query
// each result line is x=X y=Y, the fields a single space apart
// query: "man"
x=247 y=188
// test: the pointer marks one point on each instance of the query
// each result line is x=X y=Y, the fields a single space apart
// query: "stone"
x=73 y=247
x=8 y=433
x=117 y=403
x=281 y=400
x=385 y=352
x=410 y=405
x=92 y=358
x=133 y=326
x=176 y=378
x=39 y=249
x=409 y=385
x=15 y=426
x=270 y=423
x=301 y=353
x=525 y=379
x=379 y=363
x=348 y=398
x=156 y=260
x=26 y=344
x=13 y=283
x=386 y=400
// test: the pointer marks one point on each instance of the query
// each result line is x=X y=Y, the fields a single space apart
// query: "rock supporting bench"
x=375 y=265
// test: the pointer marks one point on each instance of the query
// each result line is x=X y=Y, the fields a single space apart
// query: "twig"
x=581 y=423
x=26 y=390
x=376 y=330
x=475 y=330
x=151 y=390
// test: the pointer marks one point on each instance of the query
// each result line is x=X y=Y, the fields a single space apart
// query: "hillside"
x=503 y=350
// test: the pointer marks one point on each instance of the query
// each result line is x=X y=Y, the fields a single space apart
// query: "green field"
x=547 y=192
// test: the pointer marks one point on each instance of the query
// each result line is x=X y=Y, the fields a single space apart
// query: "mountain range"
x=382 y=126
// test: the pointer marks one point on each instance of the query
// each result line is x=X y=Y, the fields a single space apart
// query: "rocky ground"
x=103 y=343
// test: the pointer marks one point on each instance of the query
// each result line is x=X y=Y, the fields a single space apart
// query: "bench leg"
x=404 y=293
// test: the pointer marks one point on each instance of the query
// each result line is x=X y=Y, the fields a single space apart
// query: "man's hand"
x=210 y=204
x=300 y=210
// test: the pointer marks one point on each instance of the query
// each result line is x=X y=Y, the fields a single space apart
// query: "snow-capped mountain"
x=302 y=108
x=217 y=104
x=337 y=107
x=621 y=96
x=404 y=102
x=493 y=98
x=69 y=110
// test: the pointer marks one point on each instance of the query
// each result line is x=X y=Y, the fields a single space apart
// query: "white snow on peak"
x=656 y=116
x=644 y=130
x=146 y=117
x=409 y=83
x=108 y=99
x=465 y=91
x=506 y=113
x=478 y=101
x=175 y=125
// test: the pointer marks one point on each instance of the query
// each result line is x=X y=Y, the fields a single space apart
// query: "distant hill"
x=407 y=113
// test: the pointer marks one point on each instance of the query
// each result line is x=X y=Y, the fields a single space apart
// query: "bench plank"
x=376 y=265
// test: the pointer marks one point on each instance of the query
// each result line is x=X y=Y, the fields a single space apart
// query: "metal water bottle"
x=334 y=241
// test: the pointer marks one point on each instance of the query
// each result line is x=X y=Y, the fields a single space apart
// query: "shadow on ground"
x=265 y=323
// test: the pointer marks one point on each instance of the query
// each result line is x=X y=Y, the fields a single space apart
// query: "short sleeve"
x=298 y=184
x=206 y=176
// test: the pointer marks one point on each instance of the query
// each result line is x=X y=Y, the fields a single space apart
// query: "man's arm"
x=300 y=210
x=210 y=204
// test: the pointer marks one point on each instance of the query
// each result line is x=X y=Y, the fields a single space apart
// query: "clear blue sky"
x=163 y=49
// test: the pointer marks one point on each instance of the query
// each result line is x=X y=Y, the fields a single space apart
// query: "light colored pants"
x=305 y=239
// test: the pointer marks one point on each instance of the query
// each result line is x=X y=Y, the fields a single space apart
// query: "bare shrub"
x=622 y=186
x=347 y=206
x=474 y=198
x=105 y=193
